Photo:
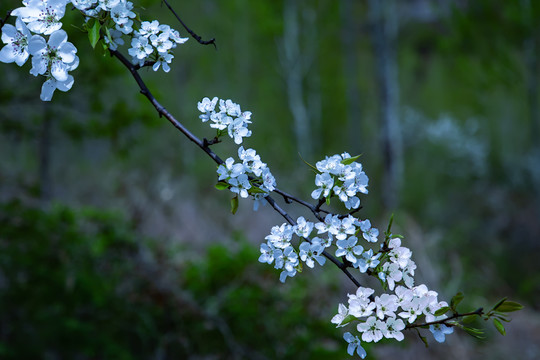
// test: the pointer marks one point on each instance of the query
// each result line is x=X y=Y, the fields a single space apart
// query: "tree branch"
x=478 y=311
x=204 y=145
x=195 y=36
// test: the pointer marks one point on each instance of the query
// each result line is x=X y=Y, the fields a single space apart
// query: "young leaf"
x=348 y=319
x=350 y=160
x=234 y=204
x=442 y=311
x=390 y=224
x=423 y=338
x=308 y=164
x=222 y=185
x=509 y=306
x=477 y=333
x=93 y=33
x=469 y=319
x=456 y=299
x=499 y=326
x=499 y=303
x=256 y=190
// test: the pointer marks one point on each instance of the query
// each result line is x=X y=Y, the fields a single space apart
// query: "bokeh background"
x=114 y=243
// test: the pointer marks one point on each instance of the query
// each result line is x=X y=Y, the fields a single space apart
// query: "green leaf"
x=469 y=319
x=509 y=306
x=499 y=303
x=442 y=311
x=501 y=316
x=456 y=299
x=222 y=185
x=423 y=338
x=348 y=319
x=499 y=326
x=257 y=190
x=308 y=164
x=234 y=204
x=477 y=333
x=93 y=33
x=350 y=160
x=390 y=224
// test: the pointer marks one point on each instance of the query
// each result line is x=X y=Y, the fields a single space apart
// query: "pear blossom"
x=231 y=108
x=206 y=106
x=280 y=236
x=42 y=17
x=269 y=181
x=267 y=253
x=372 y=329
x=140 y=49
x=49 y=86
x=390 y=273
x=338 y=319
x=164 y=60
x=393 y=328
x=229 y=169
x=237 y=130
x=220 y=121
x=309 y=253
x=303 y=228
x=83 y=4
x=367 y=261
x=369 y=233
x=385 y=305
x=439 y=331
x=16 y=39
x=56 y=56
x=324 y=242
x=240 y=185
x=354 y=344
x=325 y=182
x=115 y=40
x=349 y=249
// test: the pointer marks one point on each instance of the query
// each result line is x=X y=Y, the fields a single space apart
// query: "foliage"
x=73 y=285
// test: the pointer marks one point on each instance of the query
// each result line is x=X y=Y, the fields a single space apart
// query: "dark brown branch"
x=193 y=35
x=204 y=145
x=314 y=209
x=3 y=21
x=162 y=111
x=478 y=311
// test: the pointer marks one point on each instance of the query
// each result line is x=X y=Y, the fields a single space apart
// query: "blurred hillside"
x=440 y=97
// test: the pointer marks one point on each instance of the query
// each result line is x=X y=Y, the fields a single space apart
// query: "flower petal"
x=47 y=90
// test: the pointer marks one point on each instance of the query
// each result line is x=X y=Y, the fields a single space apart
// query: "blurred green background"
x=114 y=243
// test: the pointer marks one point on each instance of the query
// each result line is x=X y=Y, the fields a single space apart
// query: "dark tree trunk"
x=383 y=15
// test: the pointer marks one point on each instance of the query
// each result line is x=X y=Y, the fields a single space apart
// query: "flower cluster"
x=154 y=42
x=249 y=176
x=237 y=174
x=229 y=117
x=52 y=56
x=342 y=176
x=343 y=230
x=386 y=316
x=38 y=33
x=279 y=250
x=354 y=240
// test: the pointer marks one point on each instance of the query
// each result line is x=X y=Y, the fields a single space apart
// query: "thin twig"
x=478 y=311
x=195 y=36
